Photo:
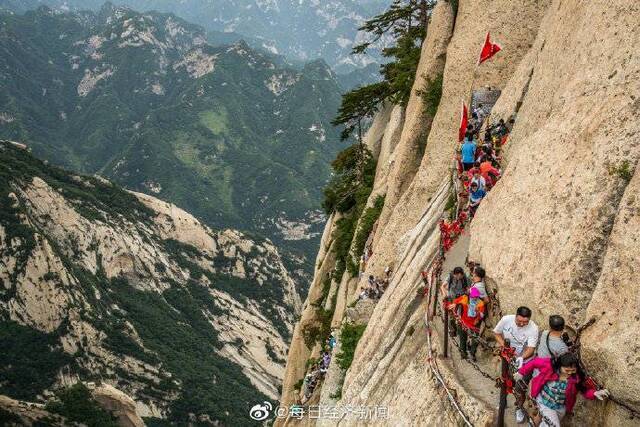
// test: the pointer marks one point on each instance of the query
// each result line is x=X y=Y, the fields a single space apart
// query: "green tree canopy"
x=406 y=22
x=360 y=104
x=353 y=174
x=76 y=404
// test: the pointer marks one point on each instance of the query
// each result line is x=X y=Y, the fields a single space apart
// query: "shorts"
x=467 y=166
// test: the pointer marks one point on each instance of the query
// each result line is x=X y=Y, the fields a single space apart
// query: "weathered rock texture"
x=558 y=233
x=85 y=256
x=16 y=413
x=562 y=225
x=119 y=404
x=514 y=24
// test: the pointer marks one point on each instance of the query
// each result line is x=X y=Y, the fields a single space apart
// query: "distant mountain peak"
x=297 y=29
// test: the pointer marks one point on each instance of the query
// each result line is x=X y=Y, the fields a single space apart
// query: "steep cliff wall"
x=558 y=233
x=513 y=23
x=380 y=140
x=572 y=174
x=100 y=283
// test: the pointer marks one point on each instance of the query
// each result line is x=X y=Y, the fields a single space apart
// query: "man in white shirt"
x=522 y=334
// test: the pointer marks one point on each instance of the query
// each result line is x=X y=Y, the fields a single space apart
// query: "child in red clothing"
x=473 y=311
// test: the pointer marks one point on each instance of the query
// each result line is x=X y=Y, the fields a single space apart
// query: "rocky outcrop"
x=95 y=271
x=15 y=413
x=117 y=403
x=415 y=129
x=559 y=231
x=299 y=351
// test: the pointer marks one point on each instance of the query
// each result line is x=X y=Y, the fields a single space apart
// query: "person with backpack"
x=456 y=285
x=471 y=315
x=556 y=387
x=553 y=342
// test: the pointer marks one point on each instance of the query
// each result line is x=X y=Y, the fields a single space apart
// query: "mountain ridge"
x=143 y=99
x=98 y=283
x=299 y=30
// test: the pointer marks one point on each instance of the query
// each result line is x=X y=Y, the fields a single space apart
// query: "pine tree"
x=360 y=104
x=406 y=21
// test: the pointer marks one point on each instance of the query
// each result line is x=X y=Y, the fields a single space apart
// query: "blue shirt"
x=477 y=195
x=468 y=151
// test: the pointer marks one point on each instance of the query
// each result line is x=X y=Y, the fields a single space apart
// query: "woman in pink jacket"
x=556 y=387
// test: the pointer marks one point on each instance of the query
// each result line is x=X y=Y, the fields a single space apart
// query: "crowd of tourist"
x=543 y=362
x=318 y=369
x=544 y=366
x=375 y=286
x=478 y=161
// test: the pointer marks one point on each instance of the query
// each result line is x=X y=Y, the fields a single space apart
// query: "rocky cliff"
x=558 y=233
x=97 y=283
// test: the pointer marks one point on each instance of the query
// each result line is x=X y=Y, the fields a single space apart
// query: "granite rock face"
x=78 y=254
x=559 y=232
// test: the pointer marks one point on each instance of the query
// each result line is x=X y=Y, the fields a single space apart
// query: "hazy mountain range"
x=225 y=132
x=301 y=30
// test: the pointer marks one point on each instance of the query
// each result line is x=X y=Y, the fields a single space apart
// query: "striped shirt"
x=553 y=394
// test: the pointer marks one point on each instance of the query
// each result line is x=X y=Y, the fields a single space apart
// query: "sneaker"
x=520 y=416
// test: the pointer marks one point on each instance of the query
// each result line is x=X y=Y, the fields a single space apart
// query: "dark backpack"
x=465 y=279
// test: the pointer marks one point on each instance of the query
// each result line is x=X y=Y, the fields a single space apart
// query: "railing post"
x=446 y=333
x=435 y=303
x=503 y=389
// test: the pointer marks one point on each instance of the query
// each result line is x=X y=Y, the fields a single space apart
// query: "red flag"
x=488 y=50
x=464 y=121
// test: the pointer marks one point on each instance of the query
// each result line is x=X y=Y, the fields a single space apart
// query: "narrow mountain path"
x=483 y=388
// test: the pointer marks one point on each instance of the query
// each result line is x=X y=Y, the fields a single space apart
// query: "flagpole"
x=473 y=76
x=473 y=82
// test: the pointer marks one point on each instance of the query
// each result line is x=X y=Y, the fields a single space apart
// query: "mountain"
x=559 y=233
x=225 y=132
x=301 y=30
x=99 y=283
x=360 y=77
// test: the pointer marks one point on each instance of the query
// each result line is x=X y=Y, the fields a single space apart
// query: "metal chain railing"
x=431 y=357
x=496 y=308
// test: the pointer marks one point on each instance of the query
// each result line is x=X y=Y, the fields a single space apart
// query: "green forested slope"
x=107 y=296
x=223 y=132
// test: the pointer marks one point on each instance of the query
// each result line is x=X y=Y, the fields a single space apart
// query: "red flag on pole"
x=464 y=121
x=488 y=50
